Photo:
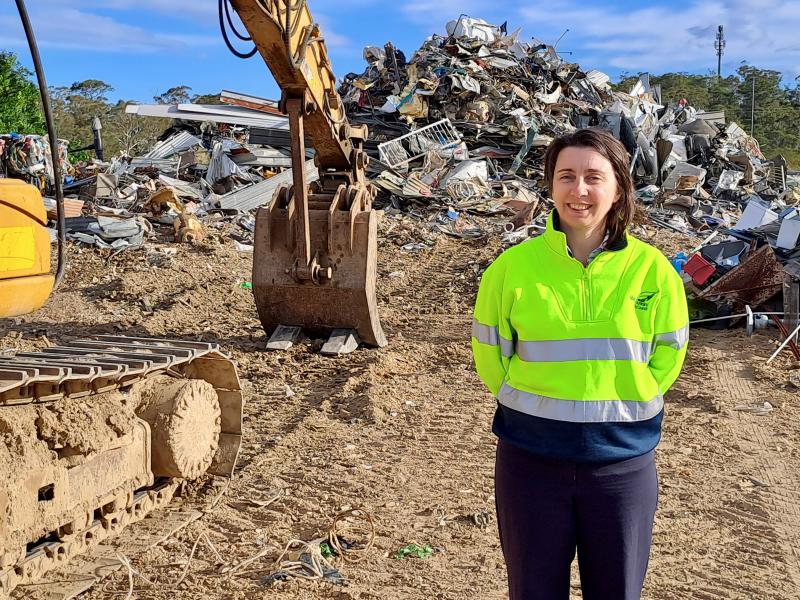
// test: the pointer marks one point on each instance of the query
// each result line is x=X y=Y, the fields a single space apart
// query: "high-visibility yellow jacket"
x=579 y=358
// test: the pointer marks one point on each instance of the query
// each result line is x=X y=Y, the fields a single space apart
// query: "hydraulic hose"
x=224 y=11
x=51 y=134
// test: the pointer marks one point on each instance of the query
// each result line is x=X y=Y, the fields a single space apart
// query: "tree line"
x=75 y=106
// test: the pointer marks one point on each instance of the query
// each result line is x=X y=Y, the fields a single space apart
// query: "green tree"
x=174 y=95
x=75 y=106
x=19 y=98
x=769 y=106
x=206 y=99
x=128 y=134
x=181 y=94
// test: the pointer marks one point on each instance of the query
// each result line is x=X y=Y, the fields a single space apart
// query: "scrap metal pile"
x=28 y=157
x=207 y=171
x=462 y=127
x=457 y=134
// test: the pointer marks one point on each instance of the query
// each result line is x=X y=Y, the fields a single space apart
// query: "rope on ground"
x=349 y=553
x=299 y=568
x=231 y=570
x=125 y=562
x=215 y=502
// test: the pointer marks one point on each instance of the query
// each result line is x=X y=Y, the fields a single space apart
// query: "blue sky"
x=143 y=47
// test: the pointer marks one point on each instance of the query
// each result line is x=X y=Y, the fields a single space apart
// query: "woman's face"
x=584 y=188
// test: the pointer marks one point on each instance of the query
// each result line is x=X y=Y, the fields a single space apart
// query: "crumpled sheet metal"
x=106 y=232
x=408 y=187
x=515 y=96
x=752 y=283
x=492 y=85
x=28 y=157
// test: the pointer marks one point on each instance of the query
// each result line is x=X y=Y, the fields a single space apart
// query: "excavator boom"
x=292 y=47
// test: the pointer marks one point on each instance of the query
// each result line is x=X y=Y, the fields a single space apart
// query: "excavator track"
x=52 y=553
x=153 y=412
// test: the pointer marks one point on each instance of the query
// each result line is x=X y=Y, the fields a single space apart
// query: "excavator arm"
x=291 y=44
x=316 y=245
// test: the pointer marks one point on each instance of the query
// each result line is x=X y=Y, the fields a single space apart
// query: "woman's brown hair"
x=621 y=214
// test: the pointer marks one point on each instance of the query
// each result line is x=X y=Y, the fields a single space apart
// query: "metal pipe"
x=785 y=332
x=704 y=242
x=753 y=107
x=51 y=134
x=733 y=317
x=783 y=345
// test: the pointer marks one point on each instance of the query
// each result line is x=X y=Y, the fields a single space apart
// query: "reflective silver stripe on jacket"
x=488 y=334
x=579 y=349
x=579 y=411
x=674 y=339
x=584 y=349
x=485 y=334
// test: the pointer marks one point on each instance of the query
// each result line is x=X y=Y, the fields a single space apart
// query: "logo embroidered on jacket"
x=643 y=301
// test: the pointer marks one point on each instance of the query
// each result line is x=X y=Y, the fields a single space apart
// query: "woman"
x=579 y=333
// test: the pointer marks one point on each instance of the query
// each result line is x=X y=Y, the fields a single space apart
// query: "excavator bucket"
x=25 y=279
x=346 y=241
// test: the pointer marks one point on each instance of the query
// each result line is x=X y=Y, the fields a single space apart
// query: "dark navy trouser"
x=547 y=509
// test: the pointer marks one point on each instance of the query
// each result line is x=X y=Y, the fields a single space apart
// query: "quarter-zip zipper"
x=586 y=286
x=587 y=294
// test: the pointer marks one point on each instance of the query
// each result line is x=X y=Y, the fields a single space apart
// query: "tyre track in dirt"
x=727 y=523
x=382 y=430
x=780 y=481
x=431 y=438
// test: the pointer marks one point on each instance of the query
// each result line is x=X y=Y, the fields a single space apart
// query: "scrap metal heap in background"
x=465 y=122
x=457 y=136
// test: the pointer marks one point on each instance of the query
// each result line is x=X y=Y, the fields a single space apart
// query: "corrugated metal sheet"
x=165 y=165
x=173 y=145
x=211 y=112
x=409 y=187
x=261 y=193
x=220 y=112
x=184 y=188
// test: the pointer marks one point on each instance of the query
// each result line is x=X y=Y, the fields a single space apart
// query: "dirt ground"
x=403 y=433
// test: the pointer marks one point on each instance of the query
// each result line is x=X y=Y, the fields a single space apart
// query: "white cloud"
x=435 y=14
x=333 y=39
x=113 y=26
x=656 y=37
x=665 y=37
x=201 y=10
x=79 y=30
x=204 y=10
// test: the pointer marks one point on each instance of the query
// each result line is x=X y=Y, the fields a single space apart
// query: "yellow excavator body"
x=25 y=279
x=60 y=496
